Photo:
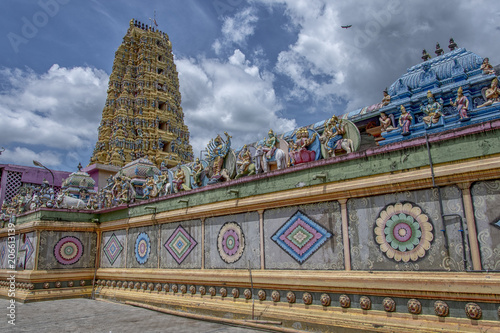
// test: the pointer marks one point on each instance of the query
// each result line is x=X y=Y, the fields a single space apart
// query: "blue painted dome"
x=446 y=66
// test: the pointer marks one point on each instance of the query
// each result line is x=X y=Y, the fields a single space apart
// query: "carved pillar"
x=471 y=225
x=38 y=233
x=261 y=233
x=345 y=234
x=202 y=243
x=97 y=263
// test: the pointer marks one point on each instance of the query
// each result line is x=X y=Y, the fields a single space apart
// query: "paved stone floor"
x=85 y=315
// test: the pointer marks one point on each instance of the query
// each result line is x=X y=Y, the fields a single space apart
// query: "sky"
x=245 y=66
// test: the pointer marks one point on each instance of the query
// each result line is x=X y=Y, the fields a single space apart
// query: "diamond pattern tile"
x=300 y=237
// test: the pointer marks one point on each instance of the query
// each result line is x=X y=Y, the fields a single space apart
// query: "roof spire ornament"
x=439 y=51
x=425 y=56
x=452 y=45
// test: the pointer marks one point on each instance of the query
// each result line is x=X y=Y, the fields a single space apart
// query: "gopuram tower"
x=143 y=115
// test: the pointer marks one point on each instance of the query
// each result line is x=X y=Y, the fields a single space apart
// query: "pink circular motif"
x=68 y=250
x=402 y=232
x=230 y=242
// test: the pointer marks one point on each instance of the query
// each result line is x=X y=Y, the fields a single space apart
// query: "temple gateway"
x=384 y=219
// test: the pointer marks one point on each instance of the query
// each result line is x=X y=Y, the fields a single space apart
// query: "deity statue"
x=462 y=104
x=179 y=181
x=385 y=123
x=197 y=171
x=270 y=144
x=333 y=135
x=299 y=151
x=244 y=163
x=387 y=98
x=46 y=194
x=405 y=121
x=425 y=56
x=492 y=94
x=432 y=110
x=486 y=67
x=217 y=151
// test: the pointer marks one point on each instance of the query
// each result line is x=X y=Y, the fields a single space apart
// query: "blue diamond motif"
x=112 y=249
x=300 y=237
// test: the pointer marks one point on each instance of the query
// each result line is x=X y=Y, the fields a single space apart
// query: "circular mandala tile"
x=403 y=232
x=68 y=250
x=142 y=248
x=231 y=242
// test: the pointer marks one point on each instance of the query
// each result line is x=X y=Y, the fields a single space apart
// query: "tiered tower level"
x=143 y=115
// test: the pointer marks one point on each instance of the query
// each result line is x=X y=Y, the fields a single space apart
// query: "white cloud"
x=236 y=29
x=227 y=96
x=57 y=112
x=25 y=156
x=327 y=63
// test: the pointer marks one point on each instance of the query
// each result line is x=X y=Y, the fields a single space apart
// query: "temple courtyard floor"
x=86 y=315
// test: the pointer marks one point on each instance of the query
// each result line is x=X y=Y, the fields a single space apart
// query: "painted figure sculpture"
x=386 y=123
x=270 y=153
x=462 y=105
x=492 y=94
x=217 y=152
x=333 y=135
x=486 y=67
x=405 y=121
x=433 y=110
x=300 y=152
x=245 y=166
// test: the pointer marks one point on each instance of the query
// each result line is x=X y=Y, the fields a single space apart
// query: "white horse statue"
x=279 y=156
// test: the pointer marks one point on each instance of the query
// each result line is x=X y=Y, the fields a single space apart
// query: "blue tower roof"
x=447 y=68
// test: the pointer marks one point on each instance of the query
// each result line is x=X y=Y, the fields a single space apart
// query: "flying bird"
x=346 y=26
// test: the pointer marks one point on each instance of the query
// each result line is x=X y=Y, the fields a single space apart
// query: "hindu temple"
x=383 y=219
x=143 y=116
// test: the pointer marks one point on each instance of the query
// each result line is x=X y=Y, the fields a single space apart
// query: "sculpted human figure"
x=197 y=170
x=387 y=98
x=461 y=103
x=217 y=151
x=303 y=140
x=385 y=123
x=432 y=110
x=244 y=163
x=486 y=67
x=179 y=181
x=405 y=121
x=270 y=144
x=333 y=134
x=244 y=159
x=492 y=94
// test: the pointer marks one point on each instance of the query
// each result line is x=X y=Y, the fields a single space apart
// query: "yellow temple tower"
x=143 y=115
